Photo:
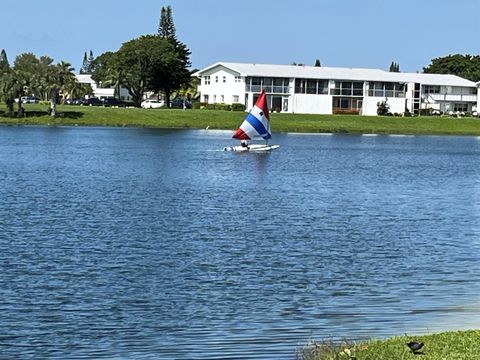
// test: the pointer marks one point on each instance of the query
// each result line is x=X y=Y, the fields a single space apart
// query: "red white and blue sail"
x=257 y=122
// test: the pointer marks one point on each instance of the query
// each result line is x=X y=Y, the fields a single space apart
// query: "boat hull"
x=252 y=148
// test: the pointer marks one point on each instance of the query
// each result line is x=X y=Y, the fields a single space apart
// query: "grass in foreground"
x=455 y=345
x=219 y=119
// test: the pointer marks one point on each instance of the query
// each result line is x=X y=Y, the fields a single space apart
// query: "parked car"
x=152 y=104
x=28 y=100
x=78 y=101
x=113 y=102
x=180 y=104
x=93 y=101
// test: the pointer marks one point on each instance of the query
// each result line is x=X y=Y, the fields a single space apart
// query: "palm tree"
x=69 y=81
x=59 y=77
x=9 y=89
x=190 y=90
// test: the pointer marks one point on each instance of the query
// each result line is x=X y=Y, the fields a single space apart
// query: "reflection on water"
x=134 y=243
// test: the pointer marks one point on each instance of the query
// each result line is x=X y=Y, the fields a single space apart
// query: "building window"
x=386 y=89
x=431 y=89
x=463 y=107
x=224 y=79
x=270 y=85
x=300 y=86
x=214 y=99
x=205 y=99
x=311 y=86
x=207 y=80
x=216 y=79
x=238 y=79
x=222 y=98
x=348 y=88
x=235 y=98
x=346 y=105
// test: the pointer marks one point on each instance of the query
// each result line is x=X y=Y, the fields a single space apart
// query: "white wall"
x=218 y=88
x=310 y=104
x=478 y=99
x=397 y=105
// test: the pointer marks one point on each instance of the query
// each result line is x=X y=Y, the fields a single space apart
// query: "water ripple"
x=143 y=244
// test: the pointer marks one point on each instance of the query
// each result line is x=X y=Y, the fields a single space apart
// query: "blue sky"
x=345 y=33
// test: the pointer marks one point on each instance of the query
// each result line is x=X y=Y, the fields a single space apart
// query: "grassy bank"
x=457 y=345
x=218 y=119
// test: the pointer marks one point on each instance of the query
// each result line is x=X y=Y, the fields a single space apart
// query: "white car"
x=28 y=100
x=152 y=104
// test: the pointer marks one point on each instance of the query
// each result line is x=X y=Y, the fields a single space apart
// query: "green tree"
x=90 y=62
x=4 y=65
x=394 y=67
x=60 y=79
x=78 y=90
x=28 y=75
x=83 y=69
x=166 y=27
x=8 y=83
x=466 y=66
x=106 y=72
x=87 y=63
x=177 y=75
x=189 y=91
x=144 y=64
x=41 y=77
x=9 y=89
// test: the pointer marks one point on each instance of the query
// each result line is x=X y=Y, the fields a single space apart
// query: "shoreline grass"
x=37 y=114
x=451 y=345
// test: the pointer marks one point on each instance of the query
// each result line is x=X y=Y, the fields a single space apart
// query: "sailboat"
x=256 y=124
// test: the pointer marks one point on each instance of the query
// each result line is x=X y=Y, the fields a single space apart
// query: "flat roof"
x=338 y=73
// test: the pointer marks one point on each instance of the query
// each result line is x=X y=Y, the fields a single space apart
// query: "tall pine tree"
x=166 y=28
x=90 y=62
x=84 y=68
x=178 y=76
x=4 y=65
x=394 y=67
x=87 y=64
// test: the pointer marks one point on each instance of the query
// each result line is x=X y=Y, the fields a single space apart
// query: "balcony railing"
x=450 y=97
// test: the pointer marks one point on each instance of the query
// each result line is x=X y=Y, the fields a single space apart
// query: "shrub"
x=383 y=108
x=218 y=106
x=238 y=107
x=346 y=112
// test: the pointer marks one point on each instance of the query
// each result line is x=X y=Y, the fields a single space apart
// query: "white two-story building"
x=329 y=90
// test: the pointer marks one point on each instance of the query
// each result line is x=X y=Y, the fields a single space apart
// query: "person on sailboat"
x=244 y=143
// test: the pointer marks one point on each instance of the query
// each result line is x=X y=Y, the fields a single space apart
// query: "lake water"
x=154 y=244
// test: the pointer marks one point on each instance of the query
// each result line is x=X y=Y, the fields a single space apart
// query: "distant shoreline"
x=37 y=114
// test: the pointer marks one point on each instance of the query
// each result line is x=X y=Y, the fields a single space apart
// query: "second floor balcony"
x=450 y=97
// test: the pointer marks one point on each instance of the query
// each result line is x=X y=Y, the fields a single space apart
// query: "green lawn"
x=455 y=345
x=219 y=119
